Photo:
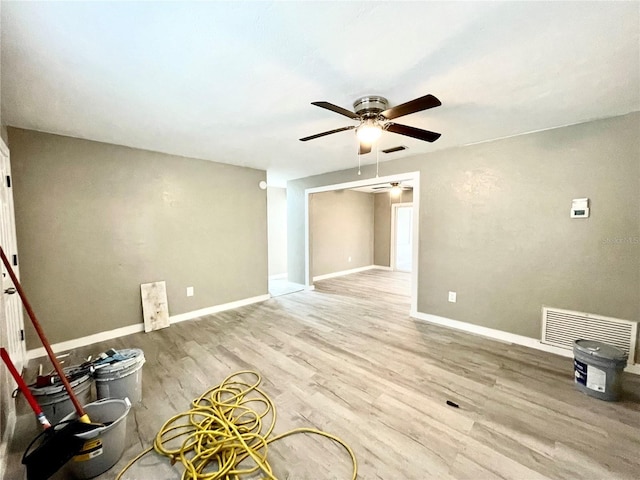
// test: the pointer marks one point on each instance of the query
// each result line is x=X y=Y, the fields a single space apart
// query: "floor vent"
x=561 y=327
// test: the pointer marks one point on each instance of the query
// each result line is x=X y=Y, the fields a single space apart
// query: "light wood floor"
x=347 y=358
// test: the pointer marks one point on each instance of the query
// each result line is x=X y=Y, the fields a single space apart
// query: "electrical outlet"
x=189 y=291
x=349 y=259
x=452 y=297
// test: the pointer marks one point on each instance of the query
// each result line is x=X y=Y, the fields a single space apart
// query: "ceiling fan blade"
x=364 y=148
x=337 y=109
x=318 y=135
x=417 y=105
x=418 y=133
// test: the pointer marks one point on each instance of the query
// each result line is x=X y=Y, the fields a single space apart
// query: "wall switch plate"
x=452 y=297
x=189 y=291
x=349 y=259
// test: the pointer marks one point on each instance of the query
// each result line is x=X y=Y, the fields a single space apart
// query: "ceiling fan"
x=396 y=186
x=374 y=115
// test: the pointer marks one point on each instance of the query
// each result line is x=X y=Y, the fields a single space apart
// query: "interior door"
x=402 y=236
x=11 y=306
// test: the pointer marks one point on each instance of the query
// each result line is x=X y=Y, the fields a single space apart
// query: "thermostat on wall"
x=580 y=208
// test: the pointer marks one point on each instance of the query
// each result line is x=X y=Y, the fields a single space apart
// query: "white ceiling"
x=233 y=81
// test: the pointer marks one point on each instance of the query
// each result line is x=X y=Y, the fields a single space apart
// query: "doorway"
x=277 y=243
x=402 y=237
x=414 y=178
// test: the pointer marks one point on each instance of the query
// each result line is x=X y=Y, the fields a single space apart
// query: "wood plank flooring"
x=348 y=359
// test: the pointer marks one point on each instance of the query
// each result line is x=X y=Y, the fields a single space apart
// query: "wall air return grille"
x=561 y=328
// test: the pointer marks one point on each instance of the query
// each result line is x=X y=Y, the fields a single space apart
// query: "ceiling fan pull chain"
x=377 y=160
x=358 y=155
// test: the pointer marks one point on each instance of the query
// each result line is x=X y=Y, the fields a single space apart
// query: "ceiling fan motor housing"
x=370 y=106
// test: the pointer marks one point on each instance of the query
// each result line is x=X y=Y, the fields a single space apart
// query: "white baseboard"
x=218 y=308
x=383 y=267
x=503 y=336
x=634 y=368
x=128 y=330
x=278 y=276
x=344 y=272
x=4 y=444
x=84 y=341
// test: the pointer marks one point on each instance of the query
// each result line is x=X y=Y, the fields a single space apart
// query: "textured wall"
x=341 y=224
x=495 y=227
x=94 y=221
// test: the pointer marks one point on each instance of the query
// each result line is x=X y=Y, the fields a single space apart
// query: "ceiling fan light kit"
x=369 y=131
x=374 y=115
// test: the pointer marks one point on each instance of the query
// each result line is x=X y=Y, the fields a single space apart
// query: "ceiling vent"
x=394 y=149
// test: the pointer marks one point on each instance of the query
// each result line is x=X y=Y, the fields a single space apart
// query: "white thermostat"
x=580 y=208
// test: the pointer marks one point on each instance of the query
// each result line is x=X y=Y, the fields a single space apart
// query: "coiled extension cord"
x=222 y=429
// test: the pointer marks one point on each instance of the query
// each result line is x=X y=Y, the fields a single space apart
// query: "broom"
x=40 y=416
x=82 y=416
x=57 y=445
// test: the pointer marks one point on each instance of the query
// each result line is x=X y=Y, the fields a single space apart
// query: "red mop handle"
x=27 y=306
x=23 y=387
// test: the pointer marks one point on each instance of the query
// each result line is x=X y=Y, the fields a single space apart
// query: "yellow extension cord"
x=221 y=430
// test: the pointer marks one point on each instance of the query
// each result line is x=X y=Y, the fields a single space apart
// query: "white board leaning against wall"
x=155 y=308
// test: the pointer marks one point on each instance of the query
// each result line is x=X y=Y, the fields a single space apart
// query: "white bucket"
x=103 y=446
x=54 y=399
x=123 y=378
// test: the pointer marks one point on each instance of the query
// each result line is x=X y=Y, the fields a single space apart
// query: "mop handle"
x=24 y=389
x=83 y=417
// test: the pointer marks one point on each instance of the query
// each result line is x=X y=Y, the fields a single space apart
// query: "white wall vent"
x=561 y=328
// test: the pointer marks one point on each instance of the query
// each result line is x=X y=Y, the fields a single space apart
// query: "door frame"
x=394 y=212
x=19 y=362
x=415 y=178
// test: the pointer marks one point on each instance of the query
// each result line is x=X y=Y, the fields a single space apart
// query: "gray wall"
x=495 y=227
x=277 y=220
x=382 y=225
x=94 y=221
x=341 y=226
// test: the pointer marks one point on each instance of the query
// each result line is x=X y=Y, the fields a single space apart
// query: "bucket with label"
x=598 y=369
x=103 y=446
x=122 y=376
x=54 y=399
